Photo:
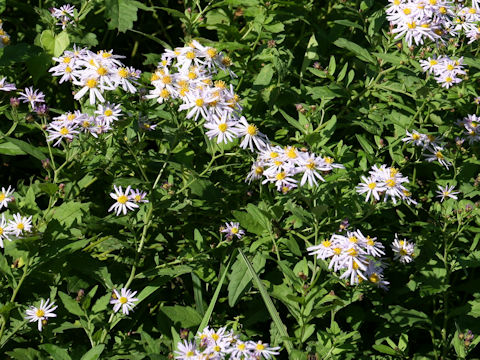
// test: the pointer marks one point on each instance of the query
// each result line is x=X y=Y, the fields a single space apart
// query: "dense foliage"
x=136 y=211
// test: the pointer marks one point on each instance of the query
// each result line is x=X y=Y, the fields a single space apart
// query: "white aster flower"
x=403 y=250
x=186 y=350
x=125 y=300
x=32 y=96
x=447 y=192
x=261 y=349
x=20 y=225
x=4 y=231
x=6 y=196
x=123 y=201
x=6 y=86
x=222 y=128
x=233 y=229
x=42 y=313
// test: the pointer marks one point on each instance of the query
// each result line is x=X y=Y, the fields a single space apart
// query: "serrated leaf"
x=122 y=14
x=70 y=304
x=68 y=212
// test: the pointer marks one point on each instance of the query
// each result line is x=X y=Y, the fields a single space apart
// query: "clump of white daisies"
x=358 y=258
x=95 y=73
x=187 y=73
x=17 y=227
x=445 y=70
x=126 y=200
x=65 y=14
x=438 y=21
x=432 y=147
x=387 y=182
x=223 y=344
x=472 y=129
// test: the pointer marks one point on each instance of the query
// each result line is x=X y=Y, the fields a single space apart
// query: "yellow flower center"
x=223 y=127
x=64 y=131
x=273 y=154
x=403 y=252
x=220 y=84
x=1 y=230
x=415 y=136
x=2 y=196
x=40 y=313
x=390 y=183
x=91 y=83
x=234 y=230
x=372 y=185
x=154 y=77
x=291 y=153
x=353 y=239
x=167 y=79
x=122 y=199
x=106 y=55
x=252 y=130
x=328 y=160
x=407 y=11
x=138 y=198
x=192 y=75
x=337 y=251
x=123 y=300
x=412 y=25
x=472 y=11
x=20 y=226
x=374 y=278
x=326 y=243
x=67 y=60
x=353 y=252
x=68 y=69
x=260 y=347
x=108 y=112
x=278 y=162
x=212 y=52
x=215 y=337
x=190 y=353
x=310 y=165
x=227 y=61
x=439 y=155
x=281 y=175
x=355 y=265
x=241 y=346
x=102 y=71
x=164 y=93
x=450 y=67
x=190 y=55
x=199 y=102
x=259 y=170
x=123 y=73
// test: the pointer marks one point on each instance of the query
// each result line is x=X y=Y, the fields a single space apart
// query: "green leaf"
x=26 y=147
x=68 y=212
x=17 y=53
x=9 y=148
x=282 y=329
x=122 y=13
x=54 y=44
x=70 y=304
x=102 y=303
x=360 y=52
x=240 y=278
x=292 y=121
x=94 y=353
x=365 y=144
x=211 y=306
x=56 y=352
x=384 y=349
x=264 y=77
x=184 y=316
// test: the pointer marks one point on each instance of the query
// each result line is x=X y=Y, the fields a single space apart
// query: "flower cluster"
x=433 y=147
x=223 y=344
x=445 y=69
x=19 y=226
x=67 y=126
x=187 y=74
x=387 y=181
x=126 y=200
x=470 y=124
x=356 y=256
x=4 y=37
x=95 y=73
x=279 y=165
x=64 y=14
x=404 y=250
x=436 y=20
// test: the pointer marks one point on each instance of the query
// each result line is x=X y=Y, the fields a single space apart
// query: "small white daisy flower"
x=447 y=192
x=20 y=225
x=123 y=201
x=125 y=300
x=42 y=313
x=233 y=229
x=5 y=196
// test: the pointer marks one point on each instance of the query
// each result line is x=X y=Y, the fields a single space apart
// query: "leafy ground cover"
x=239 y=179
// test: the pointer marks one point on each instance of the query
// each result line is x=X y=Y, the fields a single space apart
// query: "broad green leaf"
x=292 y=121
x=264 y=77
x=94 y=353
x=122 y=13
x=70 y=304
x=56 y=352
x=360 y=52
x=102 y=303
x=68 y=212
x=384 y=349
x=26 y=147
x=54 y=44
x=9 y=148
x=184 y=316
x=240 y=278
